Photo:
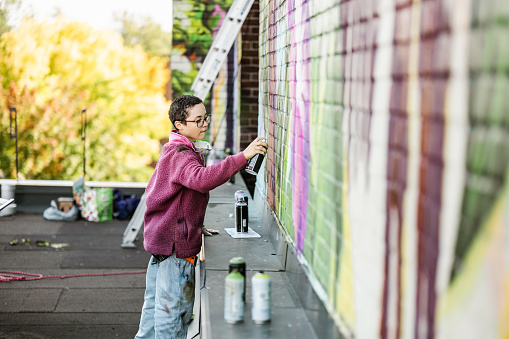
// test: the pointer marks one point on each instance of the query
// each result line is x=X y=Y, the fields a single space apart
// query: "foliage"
x=7 y=7
x=146 y=33
x=50 y=71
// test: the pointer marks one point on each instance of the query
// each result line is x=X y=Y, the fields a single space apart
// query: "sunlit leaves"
x=50 y=71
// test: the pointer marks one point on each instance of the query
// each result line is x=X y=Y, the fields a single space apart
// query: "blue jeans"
x=169 y=299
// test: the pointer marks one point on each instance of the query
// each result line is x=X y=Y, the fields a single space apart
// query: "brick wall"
x=388 y=129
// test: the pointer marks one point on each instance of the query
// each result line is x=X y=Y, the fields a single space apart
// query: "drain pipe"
x=83 y=137
x=13 y=131
x=8 y=190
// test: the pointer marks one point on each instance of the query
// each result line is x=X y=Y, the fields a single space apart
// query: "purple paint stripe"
x=299 y=133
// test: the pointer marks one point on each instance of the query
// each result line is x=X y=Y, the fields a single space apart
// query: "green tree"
x=50 y=71
x=7 y=8
x=145 y=32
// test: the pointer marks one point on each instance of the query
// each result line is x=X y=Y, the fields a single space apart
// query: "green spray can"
x=239 y=264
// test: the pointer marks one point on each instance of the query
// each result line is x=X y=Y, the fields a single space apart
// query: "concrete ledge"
x=318 y=316
x=34 y=196
x=68 y=183
x=288 y=318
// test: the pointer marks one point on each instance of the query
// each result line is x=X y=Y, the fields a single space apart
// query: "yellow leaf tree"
x=50 y=71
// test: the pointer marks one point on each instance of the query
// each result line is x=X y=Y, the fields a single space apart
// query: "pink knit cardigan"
x=177 y=196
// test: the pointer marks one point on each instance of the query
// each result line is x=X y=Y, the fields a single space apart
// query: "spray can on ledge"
x=261 y=290
x=240 y=197
x=239 y=265
x=241 y=217
x=254 y=164
x=233 y=302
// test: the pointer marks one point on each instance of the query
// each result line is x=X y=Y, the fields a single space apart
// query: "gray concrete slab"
x=228 y=190
x=29 y=300
x=111 y=281
x=288 y=320
x=82 y=227
x=28 y=223
x=55 y=331
x=76 y=300
x=110 y=306
x=81 y=242
x=12 y=300
x=128 y=259
x=81 y=307
x=14 y=260
x=63 y=319
x=41 y=300
x=222 y=247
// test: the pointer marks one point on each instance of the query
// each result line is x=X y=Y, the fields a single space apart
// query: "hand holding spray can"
x=254 y=164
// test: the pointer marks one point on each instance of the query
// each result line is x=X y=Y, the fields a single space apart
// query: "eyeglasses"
x=200 y=122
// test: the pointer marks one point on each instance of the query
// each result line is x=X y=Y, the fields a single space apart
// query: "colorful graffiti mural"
x=388 y=129
x=196 y=23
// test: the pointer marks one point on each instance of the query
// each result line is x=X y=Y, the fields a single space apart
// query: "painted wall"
x=388 y=126
x=196 y=23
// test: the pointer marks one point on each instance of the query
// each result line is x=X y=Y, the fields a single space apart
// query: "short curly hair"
x=179 y=109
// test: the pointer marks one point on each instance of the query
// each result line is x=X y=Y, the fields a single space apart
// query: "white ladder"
x=220 y=47
x=132 y=229
x=5 y=202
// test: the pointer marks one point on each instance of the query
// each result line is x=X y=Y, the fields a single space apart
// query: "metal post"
x=14 y=119
x=83 y=136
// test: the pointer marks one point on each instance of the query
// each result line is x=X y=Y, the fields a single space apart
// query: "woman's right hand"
x=258 y=146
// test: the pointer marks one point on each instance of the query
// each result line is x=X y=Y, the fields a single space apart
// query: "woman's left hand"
x=208 y=232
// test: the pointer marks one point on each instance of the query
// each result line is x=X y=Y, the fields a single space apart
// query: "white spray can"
x=233 y=298
x=261 y=291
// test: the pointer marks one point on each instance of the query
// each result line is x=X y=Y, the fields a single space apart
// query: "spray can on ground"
x=241 y=211
x=233 y=302
x=239 y=265
x=261 y=290
x=241 y=217
x=240 y=196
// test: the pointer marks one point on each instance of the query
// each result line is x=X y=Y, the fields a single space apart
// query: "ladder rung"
x=221 y=46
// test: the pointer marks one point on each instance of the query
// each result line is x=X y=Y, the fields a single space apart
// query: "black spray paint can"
x=238 y=264
x=241 y=217
x=254 y=164
x=240 y=195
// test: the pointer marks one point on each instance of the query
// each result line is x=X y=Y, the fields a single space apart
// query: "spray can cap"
x=237 y=260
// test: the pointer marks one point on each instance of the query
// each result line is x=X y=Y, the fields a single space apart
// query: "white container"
x=261 y=290
x=233 y=298
x=8 y=192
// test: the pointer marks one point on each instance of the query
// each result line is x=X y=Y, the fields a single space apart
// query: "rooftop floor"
x=110 y=306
